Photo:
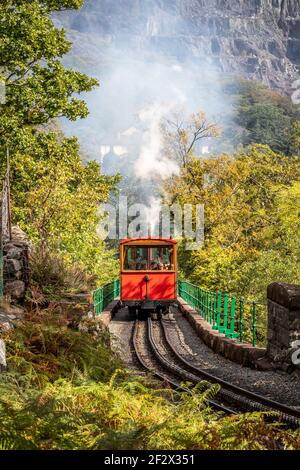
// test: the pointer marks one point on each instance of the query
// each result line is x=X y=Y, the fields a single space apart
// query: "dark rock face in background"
x=257 y=38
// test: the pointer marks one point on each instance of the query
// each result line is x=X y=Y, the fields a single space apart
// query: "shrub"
x=51 y=273
x=67 y=390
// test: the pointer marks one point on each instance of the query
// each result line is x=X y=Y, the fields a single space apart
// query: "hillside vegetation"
x=251 y=196
x=55 y=196
x=67 y=389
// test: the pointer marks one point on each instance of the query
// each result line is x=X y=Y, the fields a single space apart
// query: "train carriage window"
x=158 y=258
x=135 y=258
x=161 y=258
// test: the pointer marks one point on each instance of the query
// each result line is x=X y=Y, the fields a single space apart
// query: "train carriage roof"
x=148 y=240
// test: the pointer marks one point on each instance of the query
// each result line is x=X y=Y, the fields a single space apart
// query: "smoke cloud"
x=144 y=79
x=151 y=161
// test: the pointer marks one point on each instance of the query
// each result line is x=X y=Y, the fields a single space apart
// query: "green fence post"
x=219 y=307
x=215 y=310
x=208 y=306
x=200 y=297
x=201 y=304
x=241 y=320
x=198 y=301
x=185 y=294
x=225 y=315
x=223 y=328
x=230 y=332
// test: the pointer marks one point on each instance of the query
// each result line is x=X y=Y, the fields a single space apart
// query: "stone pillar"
x=283 y=324
x=2 y=356
x=16 y=265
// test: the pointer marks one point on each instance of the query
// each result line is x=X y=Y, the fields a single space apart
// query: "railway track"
x=157 y=354
x=147 y=357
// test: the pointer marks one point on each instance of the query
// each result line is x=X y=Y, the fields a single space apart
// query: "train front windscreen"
x=157 y=258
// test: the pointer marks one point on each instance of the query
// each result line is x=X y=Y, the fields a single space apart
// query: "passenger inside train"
x=146 y=258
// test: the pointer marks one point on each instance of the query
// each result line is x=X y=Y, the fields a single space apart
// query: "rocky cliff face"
x=258 y=38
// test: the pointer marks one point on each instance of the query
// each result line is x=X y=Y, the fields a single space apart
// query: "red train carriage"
x=148 y=274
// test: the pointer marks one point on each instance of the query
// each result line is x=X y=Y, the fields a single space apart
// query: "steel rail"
x=260 y=403
x=171 y=368
x=227 y=395
x=140 y=358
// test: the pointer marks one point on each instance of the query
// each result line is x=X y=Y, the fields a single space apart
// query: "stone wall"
x=283 y=324
x=107 y=315
x=16 y=281
x=16 y=266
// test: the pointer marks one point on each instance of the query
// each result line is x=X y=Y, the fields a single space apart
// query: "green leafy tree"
x=38 y=87
x=295 y=139
x=261 y=116
x=251 y=220
x=55 y=196
x=56 y=200
x=266 y=124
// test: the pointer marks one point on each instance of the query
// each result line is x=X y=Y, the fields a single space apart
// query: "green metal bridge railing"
x=235 y=318
x=104 y=295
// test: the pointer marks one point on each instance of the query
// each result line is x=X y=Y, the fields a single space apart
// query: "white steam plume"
x=140 y=64
x=151 y=161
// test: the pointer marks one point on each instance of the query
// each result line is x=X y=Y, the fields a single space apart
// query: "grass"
x=67 y=389
x=50 y=274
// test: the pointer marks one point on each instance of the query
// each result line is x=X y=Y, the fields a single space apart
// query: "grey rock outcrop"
x=257 y=38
